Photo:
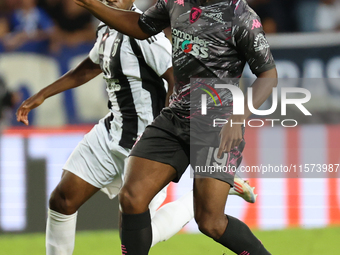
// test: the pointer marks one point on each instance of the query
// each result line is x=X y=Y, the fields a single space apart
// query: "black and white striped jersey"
x=132 y=69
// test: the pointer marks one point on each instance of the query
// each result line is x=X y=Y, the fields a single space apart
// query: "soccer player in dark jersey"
x=211 y=39
x=132 y=70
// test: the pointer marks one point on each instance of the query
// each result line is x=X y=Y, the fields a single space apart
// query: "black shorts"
x=167 y=140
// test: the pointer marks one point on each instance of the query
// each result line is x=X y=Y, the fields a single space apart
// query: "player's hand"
x=26 y=106
x=230 y=137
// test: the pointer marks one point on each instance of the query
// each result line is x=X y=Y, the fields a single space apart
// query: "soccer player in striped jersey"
x=133 y=71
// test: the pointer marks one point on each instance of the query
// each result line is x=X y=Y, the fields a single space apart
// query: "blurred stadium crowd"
x=46 y=26
x=62 y=30
x=43 y=26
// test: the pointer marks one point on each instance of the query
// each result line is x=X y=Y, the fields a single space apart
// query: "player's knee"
x=210 y=226
x=131 y=202
x=59 y=203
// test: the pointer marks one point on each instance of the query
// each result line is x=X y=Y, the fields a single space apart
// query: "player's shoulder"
x=101 y=28
x=243 y=12
x=246 y=18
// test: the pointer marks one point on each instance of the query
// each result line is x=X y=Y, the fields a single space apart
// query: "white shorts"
x=100 y=160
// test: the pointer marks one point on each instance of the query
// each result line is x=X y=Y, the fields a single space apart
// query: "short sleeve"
x=156 y=51
x=155 y=19
x=251 y=42
x=94 y=53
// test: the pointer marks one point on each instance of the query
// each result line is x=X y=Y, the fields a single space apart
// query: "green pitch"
x=291 y=241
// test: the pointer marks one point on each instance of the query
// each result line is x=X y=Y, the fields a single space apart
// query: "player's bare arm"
x=83 y=73
x=231 y=136
x=123 y=21
x=169 y=77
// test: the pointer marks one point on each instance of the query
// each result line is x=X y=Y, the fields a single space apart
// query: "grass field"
x=286 y=242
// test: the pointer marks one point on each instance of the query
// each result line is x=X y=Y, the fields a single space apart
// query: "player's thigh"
x=89 y=168
x=156 y=159
x=213 y=178
x=71 y=192
x=144 y=178
x=210 y=196
x=99 y=160
x=158 y=200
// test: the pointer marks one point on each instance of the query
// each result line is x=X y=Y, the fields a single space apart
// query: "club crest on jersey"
x=115 y=47
x=195 y=14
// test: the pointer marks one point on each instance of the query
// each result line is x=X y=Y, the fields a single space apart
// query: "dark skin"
x=210 y=195
x=73 y=191
x=84 y=72
x=262 y=88
x=116 y=19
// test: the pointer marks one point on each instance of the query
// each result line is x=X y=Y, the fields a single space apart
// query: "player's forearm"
x=167 y=99
x=123 y=21
x=83 y=73
x=169 y=77
x=262 y=89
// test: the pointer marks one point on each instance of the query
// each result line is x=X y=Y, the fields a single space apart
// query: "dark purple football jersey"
x=213 y=39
